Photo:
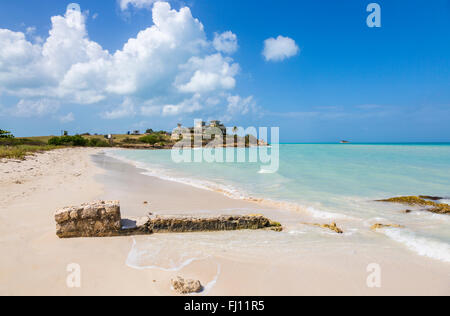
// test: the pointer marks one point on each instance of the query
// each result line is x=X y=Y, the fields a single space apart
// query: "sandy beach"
x=34 y=261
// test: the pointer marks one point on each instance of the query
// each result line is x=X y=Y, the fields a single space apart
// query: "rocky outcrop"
x=425 y=201
x=182 y=286
x=332 y=227
x=103 y=219
x=379 y=226
x=99 y=219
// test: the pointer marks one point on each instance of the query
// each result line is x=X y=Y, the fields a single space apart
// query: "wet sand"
x=34 y=260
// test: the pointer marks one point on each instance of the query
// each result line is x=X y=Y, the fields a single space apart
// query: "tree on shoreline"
x=5 y=134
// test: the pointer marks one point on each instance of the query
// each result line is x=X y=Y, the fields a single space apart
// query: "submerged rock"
x=332 y=227
x=379 y=226
x=430 y=206
x=433 y=198
x=182 y=286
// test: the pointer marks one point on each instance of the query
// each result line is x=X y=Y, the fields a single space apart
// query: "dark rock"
x=432 y=198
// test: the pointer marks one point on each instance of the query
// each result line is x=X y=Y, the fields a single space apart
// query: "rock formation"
x=425 y=201
x=182 y=286
x=379 y=226
x=103 y=219
x=332 y=227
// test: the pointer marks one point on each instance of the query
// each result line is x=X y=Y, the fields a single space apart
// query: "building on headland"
x=177 y=133
x=200 y=128
x=215 y=133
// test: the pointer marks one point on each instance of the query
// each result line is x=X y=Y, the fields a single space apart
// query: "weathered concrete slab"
x=103 y=219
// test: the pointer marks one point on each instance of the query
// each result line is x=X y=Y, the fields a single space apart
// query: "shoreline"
x=238 y=263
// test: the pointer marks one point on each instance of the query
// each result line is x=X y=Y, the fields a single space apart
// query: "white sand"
x=34 y=261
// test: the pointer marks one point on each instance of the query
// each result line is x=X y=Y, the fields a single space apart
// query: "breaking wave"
x=423 y=246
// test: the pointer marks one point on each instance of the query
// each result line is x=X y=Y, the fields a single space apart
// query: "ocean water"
x=332 y=182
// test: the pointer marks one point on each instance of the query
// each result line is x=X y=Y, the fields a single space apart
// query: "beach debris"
x=182 y=286
x=103 y=219
x=430 y=206
x=407 y=211
x=332 y=226
x=145 y=202
x=379 y=226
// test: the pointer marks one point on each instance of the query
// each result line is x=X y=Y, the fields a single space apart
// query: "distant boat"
x=345 y=142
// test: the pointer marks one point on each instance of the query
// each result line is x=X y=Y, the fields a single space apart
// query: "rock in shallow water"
x=332 y=227
x=379 y=226
x=425 y=201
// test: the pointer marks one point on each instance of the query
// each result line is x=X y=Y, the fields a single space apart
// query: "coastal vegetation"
x=5 y=134
x=21 y=151
x=77 y=141
x=18 y=148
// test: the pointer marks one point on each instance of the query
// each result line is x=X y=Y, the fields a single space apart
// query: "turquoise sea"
x=332 y=182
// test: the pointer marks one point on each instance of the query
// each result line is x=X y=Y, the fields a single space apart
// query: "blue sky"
x=346 y=81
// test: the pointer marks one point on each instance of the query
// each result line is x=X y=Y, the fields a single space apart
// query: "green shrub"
x=151 y=139
x=76 y=140
x=96 y=142
x=129 y=140
x=5 y=134
x=20 y=141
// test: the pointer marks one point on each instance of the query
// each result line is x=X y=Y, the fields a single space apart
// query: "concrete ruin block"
x=103 y=219
x=98 y=219
x=172 y=224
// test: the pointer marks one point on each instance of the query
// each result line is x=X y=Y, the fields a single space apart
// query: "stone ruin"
x=103 y=219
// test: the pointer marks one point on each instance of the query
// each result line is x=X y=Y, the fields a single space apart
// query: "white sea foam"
x=421 y=245
x=154 y=258
x=327 y=215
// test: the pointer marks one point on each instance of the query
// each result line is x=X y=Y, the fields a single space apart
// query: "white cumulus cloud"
x=67 y=118
x=140 y=4
x=169 y=68
x=126 y=109
x=280 y=48
x=226 y=42
x=30 y=108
